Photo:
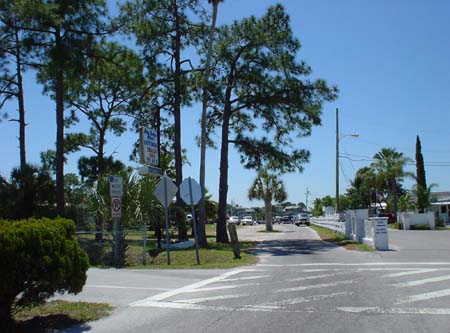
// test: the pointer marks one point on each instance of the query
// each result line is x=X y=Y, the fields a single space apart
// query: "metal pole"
x=337 y=160
x=194 y=224
x=116 y=243
x=166 y=211
x=144 y=255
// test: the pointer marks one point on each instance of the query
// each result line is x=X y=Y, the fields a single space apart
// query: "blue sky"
x=390 y=60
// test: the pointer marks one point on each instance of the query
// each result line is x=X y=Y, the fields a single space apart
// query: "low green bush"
x=420 y=227
x=38 y=258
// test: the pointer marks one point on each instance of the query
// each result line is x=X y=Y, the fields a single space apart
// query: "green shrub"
x=420 y=227
x=38 y=258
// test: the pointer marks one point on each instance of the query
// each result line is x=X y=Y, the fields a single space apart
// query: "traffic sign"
x=115 y=186
x=165 y=190
x=148 y=146
x=149 y=170
x=185 y=191
x=116 y=207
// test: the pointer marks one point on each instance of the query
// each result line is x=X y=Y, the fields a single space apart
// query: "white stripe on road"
x=208 y=299
x=247 y=278
x=124 y=287
x=366 y=310
x=424 y=281
x=357 y=264
x=380 y=310
x=418 y=271
x=307 y=299
x=315 y=286
x=191 y=287
x=316 y=277
x=424 y=296
x=234 y=286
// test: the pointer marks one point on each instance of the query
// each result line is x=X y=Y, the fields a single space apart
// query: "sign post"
x=164 y=191
x=191 y=193
x=116 y=192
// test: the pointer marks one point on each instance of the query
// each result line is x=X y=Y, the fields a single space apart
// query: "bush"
x=38 y=258
x=420 y=227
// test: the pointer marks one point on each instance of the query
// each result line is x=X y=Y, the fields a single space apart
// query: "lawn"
x=340 y=239
x=214 y=256
x=57 y=315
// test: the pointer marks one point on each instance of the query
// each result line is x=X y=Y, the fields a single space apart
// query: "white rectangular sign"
x=148 y=146
x=115 y=186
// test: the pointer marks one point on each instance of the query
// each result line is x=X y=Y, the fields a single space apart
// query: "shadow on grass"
x=45 y=324
x=292 y=247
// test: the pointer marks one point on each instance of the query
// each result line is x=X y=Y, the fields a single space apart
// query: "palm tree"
x=267 y=187
x=203 y=138
x=389 y=165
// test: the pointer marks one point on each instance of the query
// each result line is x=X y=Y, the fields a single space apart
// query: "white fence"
x=357 y=226
x=409 y=219
x=332 y=223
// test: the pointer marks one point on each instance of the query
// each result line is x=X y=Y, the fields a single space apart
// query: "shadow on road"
x=292 y=247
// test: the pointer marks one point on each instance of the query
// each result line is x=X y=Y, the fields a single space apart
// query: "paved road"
x=301 y=284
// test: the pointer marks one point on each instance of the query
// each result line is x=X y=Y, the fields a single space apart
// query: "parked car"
x=233 y=219
x=302 y=218
x=247 y=220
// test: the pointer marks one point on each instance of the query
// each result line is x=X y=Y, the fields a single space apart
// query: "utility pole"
x=307 y=194
x=337 y=160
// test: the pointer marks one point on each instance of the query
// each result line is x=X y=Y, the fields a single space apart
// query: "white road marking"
x=316 y=276
x=308 y=299
x=315 y=286
x=380 y=310
x=247 y=278
x=124 y=287
x=367 y=310
x=208 y=299
x=424 y=296
x=424 y=281
x=191 y=287
x=221 y=287
x=357 y=264
x=418 y=271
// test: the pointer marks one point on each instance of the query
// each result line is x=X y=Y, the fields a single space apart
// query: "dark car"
x=390 y=216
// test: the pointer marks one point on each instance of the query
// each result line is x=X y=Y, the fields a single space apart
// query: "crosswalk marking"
x=307 y=299
x=424 y=296
x=316 y=277
x=418 y=271
x=209 y=299
x=315 y=286
x=381 y=310
x=424 y=281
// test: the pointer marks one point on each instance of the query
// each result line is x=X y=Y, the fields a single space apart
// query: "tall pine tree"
x=422 y=197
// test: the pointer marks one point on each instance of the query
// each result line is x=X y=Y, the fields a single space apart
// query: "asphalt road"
x=301 y=284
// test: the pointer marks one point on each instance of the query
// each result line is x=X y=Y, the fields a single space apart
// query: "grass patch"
x=340 y=239
x=57 y=315
x=442 y=229
x=215 y=256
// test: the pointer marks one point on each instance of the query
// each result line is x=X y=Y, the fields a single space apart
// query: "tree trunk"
x=221 y=227
x=6 y=320
x=20 y=99
x=100 y=171
x=59 y=94
x=268 y=212
x=202 y=206
x=182 y=230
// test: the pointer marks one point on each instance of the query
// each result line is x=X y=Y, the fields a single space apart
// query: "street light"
x=337 y=156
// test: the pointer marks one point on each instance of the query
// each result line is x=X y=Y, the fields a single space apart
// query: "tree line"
x=382 y=182
x=137 y=68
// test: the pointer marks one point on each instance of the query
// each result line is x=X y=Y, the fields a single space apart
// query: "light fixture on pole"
x=337 y=156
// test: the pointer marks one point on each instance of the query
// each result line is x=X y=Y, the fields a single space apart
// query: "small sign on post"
x=148 y=146
x=116 y=192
